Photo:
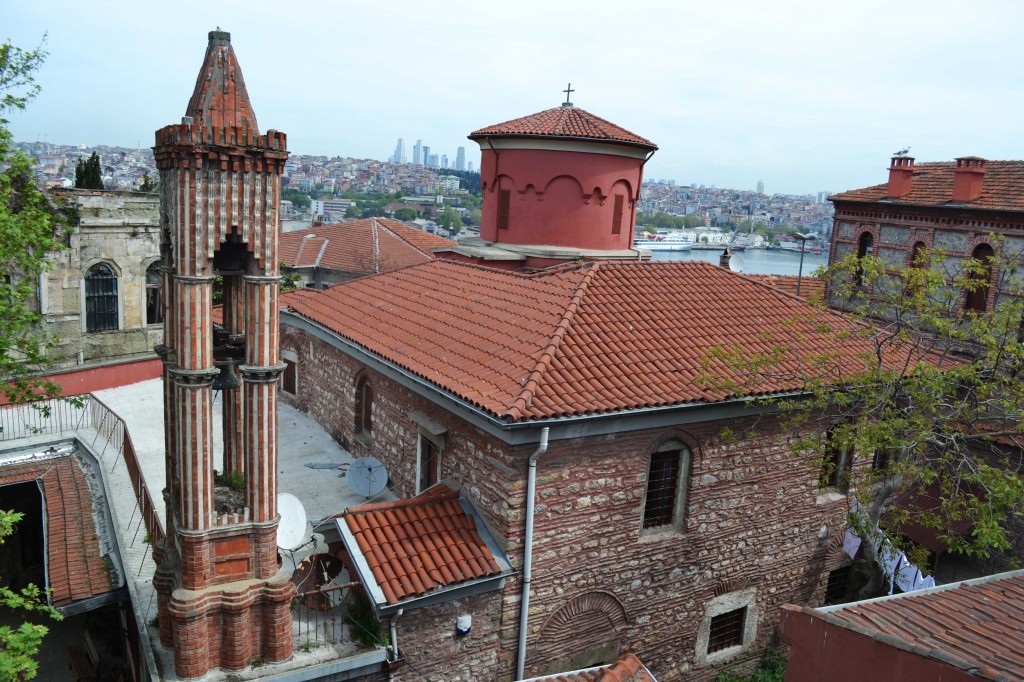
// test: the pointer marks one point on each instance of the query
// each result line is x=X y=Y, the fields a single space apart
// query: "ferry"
x=663 y=242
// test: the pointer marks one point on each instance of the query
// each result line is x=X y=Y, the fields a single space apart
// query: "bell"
x=226 y=380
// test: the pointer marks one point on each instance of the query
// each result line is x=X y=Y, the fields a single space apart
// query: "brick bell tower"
x=222 y=599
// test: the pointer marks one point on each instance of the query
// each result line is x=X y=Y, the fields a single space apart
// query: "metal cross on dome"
x=568 y=91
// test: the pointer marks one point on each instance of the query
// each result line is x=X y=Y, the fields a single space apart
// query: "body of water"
x=755 y=261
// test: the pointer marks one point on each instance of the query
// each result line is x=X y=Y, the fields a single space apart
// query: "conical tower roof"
x=564 y=122
x=220 y=99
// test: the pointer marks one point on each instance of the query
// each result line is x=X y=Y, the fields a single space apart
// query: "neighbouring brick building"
x=328 y=254
x=953 y=206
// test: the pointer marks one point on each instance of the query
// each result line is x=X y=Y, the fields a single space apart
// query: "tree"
x=88 y=174
x=926 y=427
x=29 y=228
x=450 y=220
x=406 y=214
x=148 y=184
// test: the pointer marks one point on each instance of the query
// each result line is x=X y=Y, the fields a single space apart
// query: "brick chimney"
x=901 y=176
x=969 y=178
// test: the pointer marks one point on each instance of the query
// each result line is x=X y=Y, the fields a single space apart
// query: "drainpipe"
x=394 y=641
x=531 y=492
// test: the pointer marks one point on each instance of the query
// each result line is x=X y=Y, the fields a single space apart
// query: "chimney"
x=901 y=176
x=969 y=178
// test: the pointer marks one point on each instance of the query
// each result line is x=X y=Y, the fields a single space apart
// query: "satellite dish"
x=292 y=529
x=736 y=262
x=367 y=476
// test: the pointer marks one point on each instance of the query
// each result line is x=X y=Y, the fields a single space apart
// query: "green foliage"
x=148 y=184
x=771 y=669
x=19 y=645
x=931 y=402
x=450 y=220
x=232 y=479
x=664 y=221
x=299 y=199
x=406 y=214
x=30 y=226
x=365 y=628
x=88 y=174
x=352 y=211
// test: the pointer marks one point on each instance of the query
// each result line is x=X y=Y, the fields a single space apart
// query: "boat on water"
x=662 y=242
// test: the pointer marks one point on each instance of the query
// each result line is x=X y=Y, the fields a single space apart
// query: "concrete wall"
x=756 y=528
x=122 y=230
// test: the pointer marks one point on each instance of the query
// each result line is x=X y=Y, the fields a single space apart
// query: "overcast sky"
x=805 y=96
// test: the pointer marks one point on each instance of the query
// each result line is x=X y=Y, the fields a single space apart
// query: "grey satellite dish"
x=367 y=476
x=736 y=262
x=292 y=529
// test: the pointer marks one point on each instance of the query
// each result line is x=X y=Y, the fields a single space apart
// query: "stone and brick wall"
x=121 y=229
x=755 y=522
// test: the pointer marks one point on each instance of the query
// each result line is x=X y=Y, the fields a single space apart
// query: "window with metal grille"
x=364 y=407
x=504 y=206
x=662 y=488
x=154 y=297
x=835 y=591
x=865 y=247
x=726 y=630
x=617 y=214
x=835 y=465
x=100 y=299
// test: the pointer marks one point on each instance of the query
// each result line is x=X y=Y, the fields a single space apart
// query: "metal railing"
x=72 y=414
x=321 y=615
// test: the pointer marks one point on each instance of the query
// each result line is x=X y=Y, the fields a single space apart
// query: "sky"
x=803 y=95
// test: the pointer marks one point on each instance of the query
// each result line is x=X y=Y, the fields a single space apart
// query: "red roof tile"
x=564 y=122
x=220 y=99
x=75 y=569
x=629 y=668
x=979 y=623
x=810 y=287
x=417 y=545
x=362 y=246
x=588 y=339
x=1003 y=187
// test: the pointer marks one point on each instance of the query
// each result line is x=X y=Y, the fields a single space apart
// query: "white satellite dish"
x=291 y=531
x=367 y=476
x=736 y=262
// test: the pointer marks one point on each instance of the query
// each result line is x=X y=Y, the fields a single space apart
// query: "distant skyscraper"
x=444 y=161
x=399 y=155
x=760 y=187
x=433 y=161
x=460 y=159
x=470 y=167
x=417 y=152
x=426 y=155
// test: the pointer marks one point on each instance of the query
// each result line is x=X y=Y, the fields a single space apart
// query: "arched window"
x=363 y=407
x=667 y=481
x=865 y=246
x=917 y=254
x=154 y=298
x=100 y=298
x=977 y=297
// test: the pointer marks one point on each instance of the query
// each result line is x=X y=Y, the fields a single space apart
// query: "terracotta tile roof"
x=1003 y=187
x=220 y=99
x=76 y=571
x=562 y=122
x=420 y=544
x=978 y=623
x=811 y=288
x=362 y=246
x=629 y=668
x=588 y=339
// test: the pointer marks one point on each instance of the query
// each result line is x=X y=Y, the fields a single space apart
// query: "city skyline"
x=805 y=98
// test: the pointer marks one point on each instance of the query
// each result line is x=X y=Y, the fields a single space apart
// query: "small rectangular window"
x=617 y=214
x=288 y=383
x=726 y=630
x=835 y=591
x=504 y=205
x=429 y=459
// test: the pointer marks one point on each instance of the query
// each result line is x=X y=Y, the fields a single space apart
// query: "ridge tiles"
x=220 y=99
x=420 y=544
x=564 y=122
x=628 y=668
